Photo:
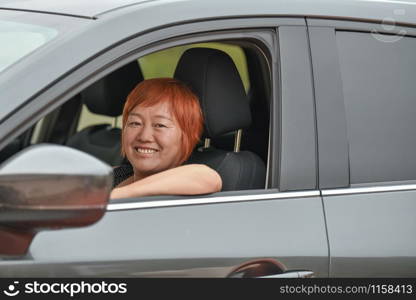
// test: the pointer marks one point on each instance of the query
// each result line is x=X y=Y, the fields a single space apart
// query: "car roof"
x=402 y=11
x=80 y=8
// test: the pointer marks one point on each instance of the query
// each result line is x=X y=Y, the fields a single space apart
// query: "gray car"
x=330 y=90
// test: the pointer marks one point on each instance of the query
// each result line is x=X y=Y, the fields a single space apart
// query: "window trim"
x=376 y=26
x=374 y=188
x=217 y=198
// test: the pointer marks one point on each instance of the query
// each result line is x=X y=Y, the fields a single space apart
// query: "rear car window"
x=379 y=84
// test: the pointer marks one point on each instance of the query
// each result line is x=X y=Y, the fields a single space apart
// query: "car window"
x=34 y=139
x=19 y=39
x=378 y=78
x=163 y=63
x=89 y=119
x=99 y=134
x=24 y=33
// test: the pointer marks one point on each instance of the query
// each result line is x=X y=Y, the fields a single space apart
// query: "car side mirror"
x=49 y=187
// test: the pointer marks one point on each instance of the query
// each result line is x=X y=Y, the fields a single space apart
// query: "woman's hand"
x=118 y=193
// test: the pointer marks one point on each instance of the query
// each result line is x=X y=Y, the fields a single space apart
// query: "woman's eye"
x=159 y=125
x=135 y=124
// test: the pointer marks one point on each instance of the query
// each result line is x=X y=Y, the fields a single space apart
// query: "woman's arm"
x=183 y=180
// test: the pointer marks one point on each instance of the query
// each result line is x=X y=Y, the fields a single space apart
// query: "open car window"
x=74 y=124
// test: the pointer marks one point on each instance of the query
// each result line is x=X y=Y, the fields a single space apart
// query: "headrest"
x=108 y=95
x=213 y=77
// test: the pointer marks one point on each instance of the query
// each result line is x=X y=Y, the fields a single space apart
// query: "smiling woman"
x=162 y=123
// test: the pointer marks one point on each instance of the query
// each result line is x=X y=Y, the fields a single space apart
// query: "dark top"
x=235 y=169
x=121 y=173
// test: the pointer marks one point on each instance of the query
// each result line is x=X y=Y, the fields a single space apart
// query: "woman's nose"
x=145 y=134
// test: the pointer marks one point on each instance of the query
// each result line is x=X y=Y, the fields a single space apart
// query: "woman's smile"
x=145 y=150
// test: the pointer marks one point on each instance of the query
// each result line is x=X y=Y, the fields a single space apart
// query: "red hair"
x=183 y=103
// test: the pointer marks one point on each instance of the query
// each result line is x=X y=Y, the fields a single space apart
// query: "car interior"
x=234 y=96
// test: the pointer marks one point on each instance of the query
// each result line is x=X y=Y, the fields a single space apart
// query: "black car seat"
x=106 y=97
x=213 y=76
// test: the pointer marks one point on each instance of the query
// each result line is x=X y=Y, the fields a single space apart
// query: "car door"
x=364 y=83
x=210 y=235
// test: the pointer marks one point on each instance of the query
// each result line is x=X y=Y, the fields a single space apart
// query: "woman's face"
x=152 y=139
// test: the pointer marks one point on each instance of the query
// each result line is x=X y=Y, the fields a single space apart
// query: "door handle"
x=267 y=268
x=291 y=274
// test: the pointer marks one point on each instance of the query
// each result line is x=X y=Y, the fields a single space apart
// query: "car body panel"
x=370 y=225
x=200 y=246
x=371 y=234
x=207 y=240
x=343 y=234
x=330 y=110
x=298 y=132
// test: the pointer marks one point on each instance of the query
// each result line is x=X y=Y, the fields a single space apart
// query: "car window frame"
x=262 y=30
